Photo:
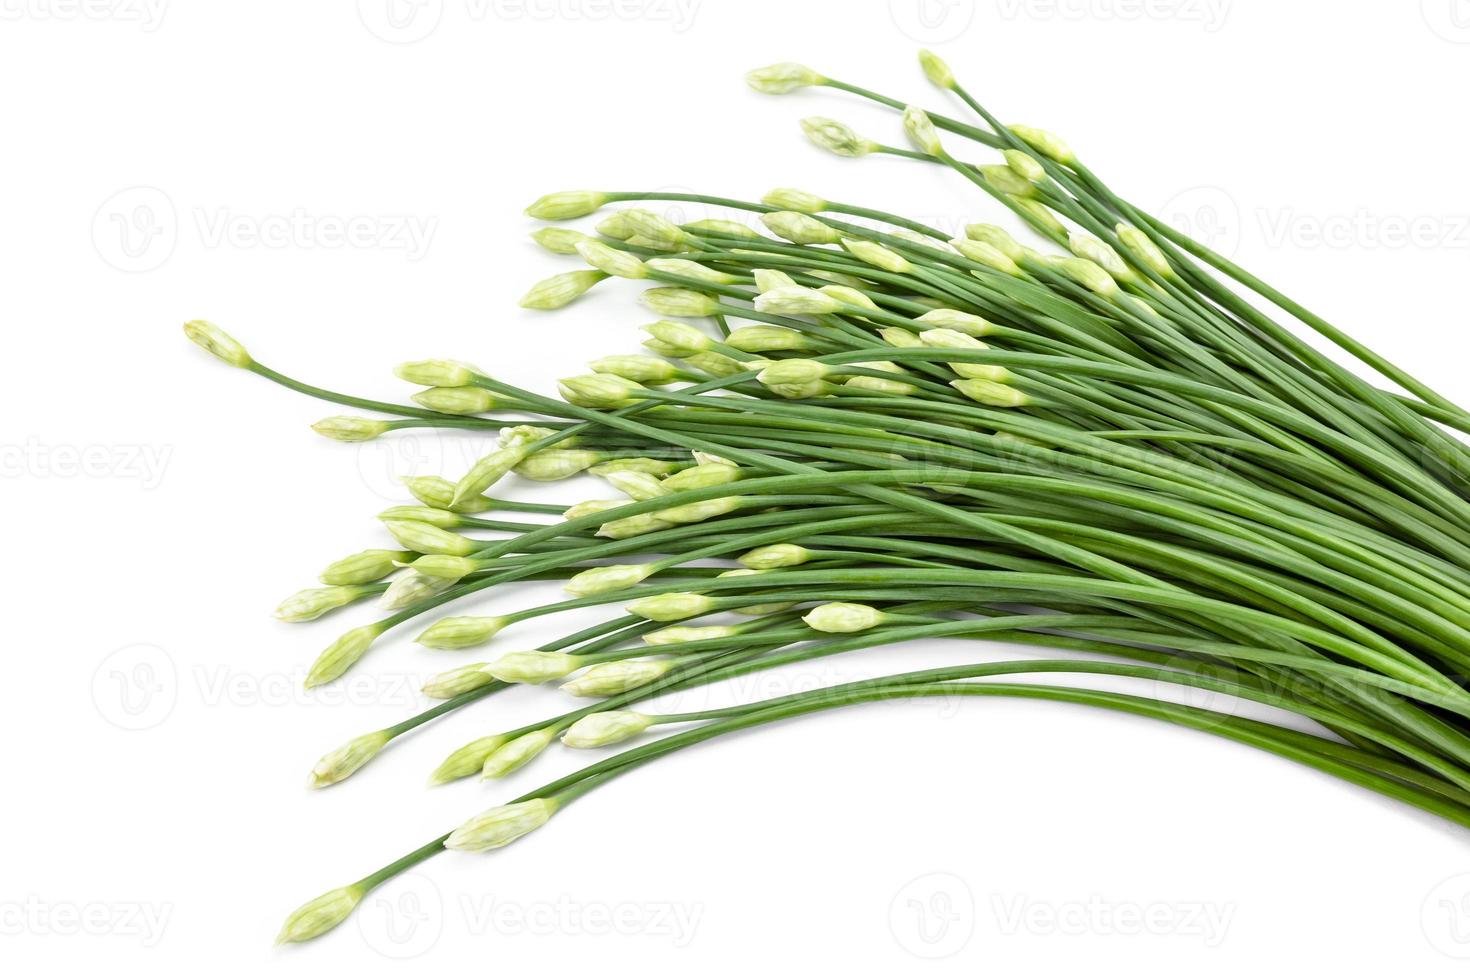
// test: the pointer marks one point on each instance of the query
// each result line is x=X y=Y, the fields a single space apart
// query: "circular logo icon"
x=1449 y=19
x=400 y=21
x=135 y=230
x=932 y=21
x=404 y=918
x=136 y=688
x=1445 y=916
x=1207 y=214
x=1194 y=695
x=933 y=916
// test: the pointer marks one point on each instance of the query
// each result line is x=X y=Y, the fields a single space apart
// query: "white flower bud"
x=450 y=567
x=701 y=510
x=782 y=78
x=636 y=464
x=843 y=617
x=1144 y=250
x=690 y=270
x=460 y=632
x=460 y=680
x=987 y=255
x=639 y=486
x=601 y=391
x=411 y=588
x=966 y=323
x=466 y=760
x=669 y=606
x=613 y=261
x=790 y=199
x=521 y=435
x=218 y=343
x=516 y=753
x=882 y=386
x=799 y=228
x=921 y=132
x=715 y=365
x=533 y=667
x=636 y=367
x=566 y=204
x=941 y=337
x=767 y=338
x=876 y=255
x=935 y=69
x=674 y=301
x=683 y=338
x=1004 y=180
x=557 y=291
x=308 y=604
x=363 y=567
x=588 y=507
x=460 y=400
x=769 y=279
x=560 y=241
x=438 y=373
x=437 y=516
x=794 y=371
x=720 y=226
x=836 y=137
x=1047 y=144
x=1040 y=214
x=430 y=540
x=640 y=226
x=688 y=634
x=500 y=825
x=899 y=337
x=990 y=392
x=1089 y=274
x=605 y=680
x=1086 y=246
x=350 y=428
x=345 y=760
x=608 y=578
x=486 y=472
x=775 y=556
x=343 y=652
x=1025 y=165
x=997 y=238
x=321 y=914
x=631 y=527
x=710 y=474
x=556 y=464
x=791 y=301
x=605 y=728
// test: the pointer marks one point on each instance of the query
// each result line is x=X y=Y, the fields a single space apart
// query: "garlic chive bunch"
x=1072 y=427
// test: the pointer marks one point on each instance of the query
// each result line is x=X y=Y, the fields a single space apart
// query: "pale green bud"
x=533 y=667
x=486 y=472
x=345 y=760
x=702 y=458
x=766 y=338
x=877 y=255
x=790 y=199
x=701 y=510
x=587 y=507
x=1090 y=275
x=432 y=491
x=557 y=464
x=218 y=343
x=941 y=337
x=557 y=291
x=789 y=301
x=516 y=753
x=849 y=296
x=882 y=386
x=449 y=567
x=605 y=728
x=836 y=137
x=460 y=680
x=775 y=556
x=794 y=371
x=840 y=278
x=987 y=255
x=809 y=389
x=990 y=392
x=500 y=825
x=651 y=230
x=782 y=78
x=363 y=567
x=631 y=527
x=682 y=338
x=520 y=435
x=437 y=373
x=1040 y=214
x=966 y=323
x=669 y=606
x=566 y=204
x=769 y=279
x=561 y=241
x=715 y=364
x=607 y=578
x=935 y=69
x=1086 y=246
x=899 y=337
x=800 y=228
x=430 y=540
x=639 y=486
x=350 y=428
x=460 y=632
x=1047 y=144
x=688 y=634
x=613 y=261
x=843 y=617
x=1004 y=180
x=601 y=391
x=997 y=238
x=921 y=132
x=343 y=652
x=720 y=226
x=690 y=270
x=1025 y=165
x=309 y=604
x=436 y=516
x=466 y=760
x=321 y=914
x=461 y=400
x=605 y=680
x=1144 y=250
x=411 y=588
x=636 y=367
x=674 y=301
x=637 y=464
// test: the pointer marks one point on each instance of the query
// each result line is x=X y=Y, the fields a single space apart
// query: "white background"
x=174 y=160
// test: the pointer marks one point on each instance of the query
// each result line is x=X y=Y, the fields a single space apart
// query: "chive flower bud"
x=459 y=632
x=997 y=238
x=882 y=386
x=412 y=588
x=455 y=399
x=636 y=367
x=935 y=69
x=320 y=915
x=799 y=228
x=363 y=567
x=674 y=301
x=557 y=291
x=779 y=79
x=843 y=617
x=1086 y=246
x=701 y=510
x=613 y=261
x=602 y=391
x=566 y=204
x=501 y=825
x=636 y=464
x=809 y=389
x=990 y=392
x=436 y=516
x=921 y=132
x=1003 y=180
x=343 y=652
x=651 y=230
x=1144 y=250
x=631 y=527
x=639 y=486
x=767 y=338
x=587 y=507
x=688 y=634
x=560 y=241
x=1040 y=215
x=684 y=338
x=449 y=567
x=520 y=435
x=466 y=760
x=690 y=270
x=605 y=680
x=775 y=556
x=965 y=323
x=716 y=365
x=987 y=255
x=836 y=137
x=877 y=255
x=941 y=337
x=790 y=199
x=486 y=472
x=430 y=540
x=607 y=578
x=218 y=343
x=516 y=753
x=557 y=464
x=350 y=428
x=899 y=337
x=794 y=371
x=532 y=667
x=605 y=728
x=432 y=491
x=309 y=604
x=698 y=477
x=720 y=226
x=669 y=606
x=437 y=373
x=793 y=301
x=1089 y=274
x=345 y=760
x=769 y=279
x=1047 y=144
x=1026 y=166
x=460 y=680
